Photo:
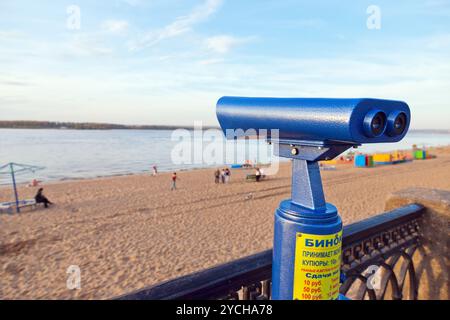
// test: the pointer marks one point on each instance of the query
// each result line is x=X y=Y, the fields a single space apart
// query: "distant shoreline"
x=435 y=131
x=167 y=171
x=88 y=126
x=23 y=124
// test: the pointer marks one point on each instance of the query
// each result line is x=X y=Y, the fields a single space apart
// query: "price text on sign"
x=317 y=266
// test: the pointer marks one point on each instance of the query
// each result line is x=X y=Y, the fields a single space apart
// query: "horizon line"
x=40 y=124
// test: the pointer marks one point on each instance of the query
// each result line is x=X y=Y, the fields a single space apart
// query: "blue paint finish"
x=360 y=160
x=311 y=119
x=315 y=152
x=289 y=220
x=367 y=123
x=310 y=130
x=390 y=129
x=307 y=188
x=306 y=212
x=16 y=195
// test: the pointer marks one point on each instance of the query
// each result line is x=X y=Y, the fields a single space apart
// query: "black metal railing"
x=377 y=263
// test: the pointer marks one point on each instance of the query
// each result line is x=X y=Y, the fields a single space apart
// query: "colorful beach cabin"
x=389 y=158
x=363 y=161
x=382 y=158
x=420 y=154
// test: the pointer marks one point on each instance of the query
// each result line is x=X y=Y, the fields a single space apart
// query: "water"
x=75 y=154
x=422 y=140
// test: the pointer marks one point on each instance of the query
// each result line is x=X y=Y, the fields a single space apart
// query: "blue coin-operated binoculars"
x=308 y=231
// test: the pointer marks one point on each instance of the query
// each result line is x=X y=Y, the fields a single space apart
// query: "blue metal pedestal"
x=308 y=233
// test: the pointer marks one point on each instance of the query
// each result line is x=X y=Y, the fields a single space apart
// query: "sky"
x=169 y=61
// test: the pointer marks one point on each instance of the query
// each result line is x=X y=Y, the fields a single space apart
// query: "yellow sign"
x=317 y=266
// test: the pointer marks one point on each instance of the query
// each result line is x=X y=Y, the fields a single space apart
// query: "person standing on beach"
x=174 y=181
x=258 y=175
x=261 y=171
x=222 y=176
x=227 y=175
x=34 y=183
x=217 y=176
x=155 y=171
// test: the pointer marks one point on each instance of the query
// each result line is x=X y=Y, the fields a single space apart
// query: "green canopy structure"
x=14 y=169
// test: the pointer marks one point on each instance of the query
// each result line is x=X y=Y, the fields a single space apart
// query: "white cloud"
x=439 y=42
x=182 y=92
x=114 y=26
x=210 y=61
x=11 y=35
x=224 y=43
x=180 y=26
x=86 y=45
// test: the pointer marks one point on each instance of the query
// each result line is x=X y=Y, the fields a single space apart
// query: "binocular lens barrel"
x=375 y=123
x=316 y=120
x=397 y=122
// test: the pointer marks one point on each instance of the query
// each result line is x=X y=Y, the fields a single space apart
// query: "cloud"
x=11 y=35
x=86 y=45
x=178 y=27
x=210 y=61
x=439 y=42
x=224 y=43
x=114 y=26
x=434 y=7
x=14 y=83
x=179 y=92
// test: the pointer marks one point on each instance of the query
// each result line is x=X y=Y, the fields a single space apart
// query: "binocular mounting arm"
x=307 y=188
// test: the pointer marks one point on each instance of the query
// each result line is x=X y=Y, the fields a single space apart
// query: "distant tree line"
x=108 y=126
x=83 y=126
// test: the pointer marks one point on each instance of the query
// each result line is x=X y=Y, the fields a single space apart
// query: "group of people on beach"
x=223 y=176
x=220 y=176
x=174 y=177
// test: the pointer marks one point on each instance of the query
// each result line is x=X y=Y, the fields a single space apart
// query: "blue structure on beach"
x=13 y=169
x=361 y=160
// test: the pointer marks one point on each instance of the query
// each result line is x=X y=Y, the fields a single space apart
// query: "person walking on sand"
x=155 y=171
x=174 y=181
x=40 y=198
x=222 y=176
x=258 y=175
x=217 y=176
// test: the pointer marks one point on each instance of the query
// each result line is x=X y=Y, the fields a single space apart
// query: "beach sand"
x=129 y=232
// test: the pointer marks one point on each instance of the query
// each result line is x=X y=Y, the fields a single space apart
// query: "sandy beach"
x=129 y=232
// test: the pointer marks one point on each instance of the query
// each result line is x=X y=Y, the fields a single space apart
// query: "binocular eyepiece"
x=376 y=123
x=318 y=120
